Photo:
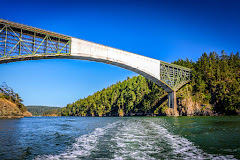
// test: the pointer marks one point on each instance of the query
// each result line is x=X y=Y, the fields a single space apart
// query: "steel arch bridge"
x=20 y=42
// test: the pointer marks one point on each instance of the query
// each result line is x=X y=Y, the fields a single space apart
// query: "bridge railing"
x=17 y=40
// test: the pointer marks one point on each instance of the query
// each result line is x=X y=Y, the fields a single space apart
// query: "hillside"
x=214 y=90
x=135 y=96
x=215 y=84
x=10 y=104
x=39 y=110
x=52 y=112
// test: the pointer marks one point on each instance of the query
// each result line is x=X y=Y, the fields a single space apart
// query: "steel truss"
x=22 y=41
x=18 y=40
x=174 y=76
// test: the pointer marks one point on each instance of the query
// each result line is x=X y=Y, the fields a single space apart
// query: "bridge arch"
x=121 y=65
x=20 y=42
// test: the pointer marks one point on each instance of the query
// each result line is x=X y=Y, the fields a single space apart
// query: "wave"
x=183 y=148
x=132 y=138
x=148 y=140
x=134 y=142
x=82 y=147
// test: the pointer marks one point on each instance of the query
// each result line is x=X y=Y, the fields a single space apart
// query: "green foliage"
x=216 y=80
x=39 y=110
x=8 y=93
x=132 y=96
x=52 y=112
x=2 y=95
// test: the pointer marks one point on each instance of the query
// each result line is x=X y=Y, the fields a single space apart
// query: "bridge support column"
x=172 y=103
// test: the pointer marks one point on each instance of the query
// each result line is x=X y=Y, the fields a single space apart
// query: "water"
x=120 y=138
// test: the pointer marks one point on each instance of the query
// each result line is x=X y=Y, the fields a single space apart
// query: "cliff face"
x=189 y=107
x=190 y=104
x=27 y=114
x=10 y=110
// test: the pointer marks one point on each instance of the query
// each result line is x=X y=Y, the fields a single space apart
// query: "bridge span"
x=20 y=42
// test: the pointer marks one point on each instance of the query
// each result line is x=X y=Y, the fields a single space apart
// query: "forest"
x=215 y=80
x=215 y=83
x=40 y=110
x=135 y=95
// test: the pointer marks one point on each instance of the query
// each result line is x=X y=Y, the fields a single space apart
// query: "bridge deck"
x=20 y=42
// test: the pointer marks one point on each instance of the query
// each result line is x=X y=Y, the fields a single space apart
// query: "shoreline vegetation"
x=11 y=104
x=214 y=90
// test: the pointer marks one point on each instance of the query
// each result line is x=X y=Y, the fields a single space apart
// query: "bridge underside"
x=61 y=56
x=20 y=42
x=172 y=103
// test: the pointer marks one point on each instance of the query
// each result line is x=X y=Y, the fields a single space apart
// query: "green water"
x=215 y=135
x=120 y=138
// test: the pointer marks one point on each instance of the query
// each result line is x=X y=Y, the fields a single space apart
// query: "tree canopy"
x=215 y=80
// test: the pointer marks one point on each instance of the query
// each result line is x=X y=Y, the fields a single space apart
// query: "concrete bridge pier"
x=172 y=103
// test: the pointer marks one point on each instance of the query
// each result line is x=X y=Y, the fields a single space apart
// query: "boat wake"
x=133 y=138
x=82 y=147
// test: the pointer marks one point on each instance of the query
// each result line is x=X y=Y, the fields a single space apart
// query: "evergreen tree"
x=215 y=80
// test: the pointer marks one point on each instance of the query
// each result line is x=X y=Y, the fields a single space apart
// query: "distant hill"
x=52 y=112
x=38 y=110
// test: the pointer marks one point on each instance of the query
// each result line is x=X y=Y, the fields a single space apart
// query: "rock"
x=9 y=109
x=27 y=114
x=189 y=107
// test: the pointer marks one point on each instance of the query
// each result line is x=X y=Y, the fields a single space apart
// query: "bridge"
x=20 y=42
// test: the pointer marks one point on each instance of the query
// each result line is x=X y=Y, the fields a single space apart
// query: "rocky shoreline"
x=10 y=110
x=10 y=117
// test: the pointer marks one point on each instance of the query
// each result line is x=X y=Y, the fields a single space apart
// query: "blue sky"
x=164 y=30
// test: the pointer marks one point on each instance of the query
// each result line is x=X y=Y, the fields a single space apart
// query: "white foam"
x=82 y=147
x=139 y=139
x=184 y=148
x=147 y=140
x=131 y=143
